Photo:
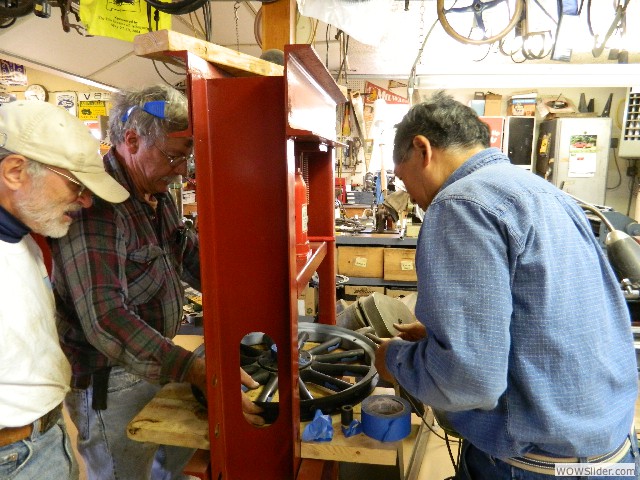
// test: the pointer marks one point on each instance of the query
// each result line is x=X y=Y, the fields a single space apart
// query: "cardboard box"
x=400 y=264
x=364 y=262
x=353 y=292
x=308 y=302
x=398 y=292
x=492 y=105
x=477 y=103
x=522 y=107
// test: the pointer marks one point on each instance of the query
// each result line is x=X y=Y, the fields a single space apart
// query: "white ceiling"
x=42 y=44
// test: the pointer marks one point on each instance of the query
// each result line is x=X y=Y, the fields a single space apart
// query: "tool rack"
x=250 y=134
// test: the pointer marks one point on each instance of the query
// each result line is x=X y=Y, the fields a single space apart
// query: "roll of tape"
x=386 y=417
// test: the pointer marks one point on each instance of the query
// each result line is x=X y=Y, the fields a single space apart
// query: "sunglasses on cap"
x=155 y=108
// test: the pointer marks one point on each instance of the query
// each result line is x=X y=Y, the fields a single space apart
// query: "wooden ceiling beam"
x=278 y=24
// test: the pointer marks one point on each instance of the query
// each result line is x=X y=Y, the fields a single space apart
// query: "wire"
x=177 y=8
x=412 y=74
x=615 y=159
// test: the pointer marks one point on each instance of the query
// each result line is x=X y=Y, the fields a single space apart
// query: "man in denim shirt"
x=524 y=342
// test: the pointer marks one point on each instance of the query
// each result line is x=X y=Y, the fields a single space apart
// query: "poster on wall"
x=12 y=74
x=118 y=19
x=582 y=155
x=496 y=130
x=68 y=101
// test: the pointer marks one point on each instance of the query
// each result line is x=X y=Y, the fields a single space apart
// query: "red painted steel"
x=245 y=164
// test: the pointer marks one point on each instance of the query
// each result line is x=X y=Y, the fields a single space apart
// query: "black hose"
x=177 y=8
x=22 y=9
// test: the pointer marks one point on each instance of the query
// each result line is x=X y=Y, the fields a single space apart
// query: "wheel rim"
x=477 y=7
x=339 y=352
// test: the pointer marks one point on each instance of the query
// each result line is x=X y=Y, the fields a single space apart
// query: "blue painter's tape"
x=386 y=418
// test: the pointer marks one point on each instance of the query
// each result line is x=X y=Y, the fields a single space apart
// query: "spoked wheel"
x=336 y=367
x=478 y=7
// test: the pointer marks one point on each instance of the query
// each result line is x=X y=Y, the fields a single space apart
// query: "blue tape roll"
x=386 y=418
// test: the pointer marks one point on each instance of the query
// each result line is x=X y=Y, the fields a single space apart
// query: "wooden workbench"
x=174 y=417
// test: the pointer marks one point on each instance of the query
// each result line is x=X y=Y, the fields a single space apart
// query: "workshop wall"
x=621 y=189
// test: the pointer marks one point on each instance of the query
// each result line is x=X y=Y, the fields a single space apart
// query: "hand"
x=380 y=364
x=411 y=332
x=250 y=410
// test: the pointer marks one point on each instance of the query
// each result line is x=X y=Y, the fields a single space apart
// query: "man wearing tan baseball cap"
x=49 y=165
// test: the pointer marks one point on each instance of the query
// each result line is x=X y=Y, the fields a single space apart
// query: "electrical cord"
x=448 y=442
x=177 y=8
x=615 y=159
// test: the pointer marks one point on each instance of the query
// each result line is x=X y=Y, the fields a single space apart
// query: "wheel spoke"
x=305 y=394
x=302 y=338
x=334 y=384
x=341 y=369
x=269 y=389
x=327 y=346
x=261 y=376
x=348 y=356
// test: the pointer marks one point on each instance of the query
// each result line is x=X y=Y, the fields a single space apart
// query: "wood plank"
x=278 y=25
x=155 y=44
x=172 y=417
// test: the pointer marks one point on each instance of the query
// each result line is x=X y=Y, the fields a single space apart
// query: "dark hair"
x=445 y=122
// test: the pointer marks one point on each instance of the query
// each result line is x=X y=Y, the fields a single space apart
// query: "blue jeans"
x=477 y=465
x=43 y=455
x=102 y=434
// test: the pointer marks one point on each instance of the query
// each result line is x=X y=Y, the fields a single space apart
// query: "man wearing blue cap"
x=118 y=282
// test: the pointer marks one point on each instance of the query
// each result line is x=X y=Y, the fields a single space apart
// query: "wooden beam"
x=278 y=24
x=155 y=44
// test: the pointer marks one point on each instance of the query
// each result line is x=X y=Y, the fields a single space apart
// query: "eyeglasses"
x=404 y=156
x=176 y=160
x=71 y=179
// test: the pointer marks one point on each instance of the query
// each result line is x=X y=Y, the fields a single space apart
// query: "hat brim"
x=103 y=185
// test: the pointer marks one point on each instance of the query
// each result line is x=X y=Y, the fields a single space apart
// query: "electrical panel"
x=630 y=137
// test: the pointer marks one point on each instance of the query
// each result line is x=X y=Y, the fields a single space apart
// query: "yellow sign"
x=119 y=19
x=91 y=110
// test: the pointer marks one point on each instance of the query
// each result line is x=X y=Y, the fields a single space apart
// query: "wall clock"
x=36 y=92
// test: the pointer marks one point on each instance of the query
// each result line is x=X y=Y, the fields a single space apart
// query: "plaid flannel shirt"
x=117 y=280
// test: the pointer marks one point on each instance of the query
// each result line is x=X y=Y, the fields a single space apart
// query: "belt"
x=9 y=435
x=532 y=462
x=81 y=381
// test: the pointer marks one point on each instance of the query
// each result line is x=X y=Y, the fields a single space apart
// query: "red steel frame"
x=246 y=155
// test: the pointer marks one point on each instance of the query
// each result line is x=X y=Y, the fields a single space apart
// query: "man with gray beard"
x=49 y=166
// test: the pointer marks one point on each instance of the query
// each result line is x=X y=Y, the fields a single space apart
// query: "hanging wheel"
x=478 y=7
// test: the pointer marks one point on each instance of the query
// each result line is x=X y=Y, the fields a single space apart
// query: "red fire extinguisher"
x=303 y=250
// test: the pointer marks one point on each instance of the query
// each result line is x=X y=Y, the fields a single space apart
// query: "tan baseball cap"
x=48 y=134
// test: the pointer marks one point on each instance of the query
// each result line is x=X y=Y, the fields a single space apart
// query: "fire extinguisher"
x=303 y=250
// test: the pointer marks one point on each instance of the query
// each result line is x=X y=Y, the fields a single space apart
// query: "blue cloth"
x=43 y=455
x=529 y=344
x=320 y=429
x=11 y=229
x=108 y=452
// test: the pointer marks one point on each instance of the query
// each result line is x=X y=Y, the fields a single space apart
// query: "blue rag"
x=319 y=429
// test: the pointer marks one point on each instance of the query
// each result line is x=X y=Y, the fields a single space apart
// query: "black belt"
x=11 y=435
x=100 y=381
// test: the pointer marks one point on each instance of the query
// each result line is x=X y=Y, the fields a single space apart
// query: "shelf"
x=391 y=240
x=319 y=251
x=378 y=282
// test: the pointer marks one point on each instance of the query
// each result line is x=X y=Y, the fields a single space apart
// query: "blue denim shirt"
x=529 y=344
